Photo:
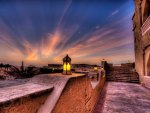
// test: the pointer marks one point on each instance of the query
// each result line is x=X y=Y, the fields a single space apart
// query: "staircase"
x=122 y=74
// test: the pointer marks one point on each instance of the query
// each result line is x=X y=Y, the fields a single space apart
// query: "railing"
x=146 y=26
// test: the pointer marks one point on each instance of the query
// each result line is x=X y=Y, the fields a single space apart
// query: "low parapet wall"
x=23 y=98
x=58 y=94
x=79 y=96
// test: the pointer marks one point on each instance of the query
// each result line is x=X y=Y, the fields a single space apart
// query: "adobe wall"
x=138 y=39
x=141 y=21
x=147 y=57
x=147 y=68
x=78 y=96
x=29 y=104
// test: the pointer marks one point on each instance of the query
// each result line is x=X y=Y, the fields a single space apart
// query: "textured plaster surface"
x=59 y=82
x=19 y=91
x=79 y=96
x=8 y=83
x=120 y=97
x=78 y=86
x=13 y=90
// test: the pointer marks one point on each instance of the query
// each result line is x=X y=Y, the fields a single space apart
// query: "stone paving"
x=118 y=97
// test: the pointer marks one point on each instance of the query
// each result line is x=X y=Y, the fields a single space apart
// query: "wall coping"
x=59 y=82
x=12 y=94
x=53 y=84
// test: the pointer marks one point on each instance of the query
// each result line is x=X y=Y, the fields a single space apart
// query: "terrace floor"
x=118 y=97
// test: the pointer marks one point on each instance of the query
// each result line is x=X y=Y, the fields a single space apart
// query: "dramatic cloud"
x=41 y=32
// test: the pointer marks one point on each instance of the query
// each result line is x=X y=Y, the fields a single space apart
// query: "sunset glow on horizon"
x=42 y=32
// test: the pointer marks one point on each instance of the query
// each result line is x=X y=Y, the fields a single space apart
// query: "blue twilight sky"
x=44 y=31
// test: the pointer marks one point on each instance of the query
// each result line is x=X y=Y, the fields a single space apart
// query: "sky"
x=41 y=32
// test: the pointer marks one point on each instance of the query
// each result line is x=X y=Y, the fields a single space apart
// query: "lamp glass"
x=66 y=67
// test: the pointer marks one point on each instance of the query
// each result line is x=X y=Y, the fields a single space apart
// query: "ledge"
x=16 y=93
x=51 y=84
x=73 y=75
x=59 y=82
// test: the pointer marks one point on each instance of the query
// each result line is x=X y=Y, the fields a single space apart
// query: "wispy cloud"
x=114 y=12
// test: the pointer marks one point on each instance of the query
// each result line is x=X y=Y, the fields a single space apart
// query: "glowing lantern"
x=95 y=68
x=67 y=65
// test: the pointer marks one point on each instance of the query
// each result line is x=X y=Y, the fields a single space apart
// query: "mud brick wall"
x=92 y=96
x=141 y=24
x=78 y=96
x=29 y=104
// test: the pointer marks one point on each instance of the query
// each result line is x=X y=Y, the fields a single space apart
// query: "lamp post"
x=67 y=65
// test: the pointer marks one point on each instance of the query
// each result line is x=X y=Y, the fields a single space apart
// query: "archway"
x=148 y=66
